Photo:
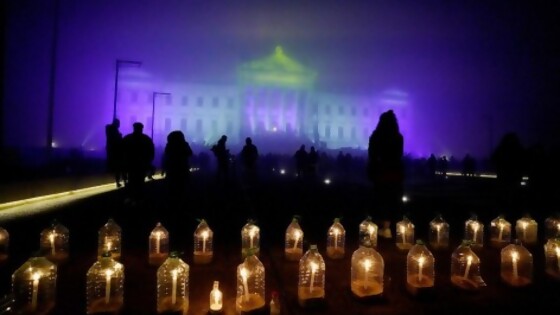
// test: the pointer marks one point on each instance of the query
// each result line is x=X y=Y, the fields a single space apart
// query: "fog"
x=472 y=70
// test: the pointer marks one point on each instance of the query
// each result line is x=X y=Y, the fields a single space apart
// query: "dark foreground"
x=272 y=204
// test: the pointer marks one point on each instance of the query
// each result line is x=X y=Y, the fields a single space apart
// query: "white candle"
x=108 y=274
x=371 y=230
x=51 y=239
x=314 y=266
x=297 y=235
x=244 y=275
x=500 y=235
x=421 y=261
x=336 y=232
x=35 y=277
x=514 y=258
x=251 y=237
x=438 y=228
x=475 y=227
x=403 y=234
x=109 y=246
x=469 y=262
x=216 y=297
x=158 y=240
x=524 y=228
x=174 y=286
x=367 y=265
x=204 y=235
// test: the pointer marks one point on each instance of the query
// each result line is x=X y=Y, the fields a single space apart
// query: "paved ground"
x=272 y=203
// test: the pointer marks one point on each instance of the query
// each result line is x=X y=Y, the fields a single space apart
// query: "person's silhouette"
x=313 y=160
x=508 y=159
x=222 y=156
x=249 y=155
x=443 y=165
x=138 y=154
x=301 y=158
x=114 y=150
x=385 y=168
x=175 y=164
x=432 y=165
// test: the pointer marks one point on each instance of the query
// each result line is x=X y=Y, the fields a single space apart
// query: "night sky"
x=472 y=69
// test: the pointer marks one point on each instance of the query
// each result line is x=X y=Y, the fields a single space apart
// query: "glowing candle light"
x=108 y=275
x=297 y=235
x=367 y=266
x=524 y=225
x=158 y=241
x=403 y=233
x=244 y=276
x=438 y=228
x=475 y=226
x=500 y=235
x=557 y=249
x=371 y=230
x=252 y=233
x=336 y=232
x=421 y=261
x=469 y=262
x=216 y=298
x=514 y=259
x=51 y=239
x=204 y=235
x=35 y=277
x=109 y=245
x=314 y=267
x=174 y=286
x=558 y=228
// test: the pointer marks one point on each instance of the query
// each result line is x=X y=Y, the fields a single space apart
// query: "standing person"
x=175 y=163
x=301 y=158
x=385 y=168
x=114 y=150
x=249 y=156
x=222 y=157
x=313 y=160
x=138 y=156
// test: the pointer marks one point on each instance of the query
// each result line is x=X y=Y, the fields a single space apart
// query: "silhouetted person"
x=114 y=150
x=313 y=160
x=249 y=156
x=301 y=158
x=175 y=164
x=443 y=165
x=385 y=168
x=432 y=165
x=139 y=154
x=469 y=165
x=508 y=159
x=222 y=157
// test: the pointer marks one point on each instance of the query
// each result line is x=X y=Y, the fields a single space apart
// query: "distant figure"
x=301 y=158
x=222 y=156
x=443 y=165
x=469 y=166
x=138 y=157
x=313 y=160
x=249 y=156
x=385 y=168
x=114 y=150
x=508 y=159
x=432 y=165
x=175 y=163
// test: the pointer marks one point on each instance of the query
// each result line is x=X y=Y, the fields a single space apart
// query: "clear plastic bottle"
x=420 y=267
x=275 y=304
x=250 y=238
x=500 y=232
x=405 y=234
x=336 y=239
x=465 y=268
x=366 y=275
x=54 y=242
x=474 y=232
x=311 y=281
x=293 y=249
x=216 y=299
x=552 y=227
x=34 y=286
x=250 y=285
x=439 y=233
x=368 y=232
x=110 y=240
x=552 y=257
x=105 y=286
x=203 y=244
x=526 y=230
x=158 y=245
x=173 y=285
x=516 y=265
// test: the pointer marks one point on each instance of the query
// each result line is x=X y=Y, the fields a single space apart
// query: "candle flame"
x=204 y=234
x=52 y=235
x=297 y=234
x=367 y=264
x=514 y=256
x=253 y=231
x=524 y=224
x=314 y=266
x=244 y=273
x=36 y=276
x=403 y=229
x=475 y=226
x=421 y=260
x=438 y=226
x=469 y=259
x=336 y=231
x=371 y=229
x=174 y=273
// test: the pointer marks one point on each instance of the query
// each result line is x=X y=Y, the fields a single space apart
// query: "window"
x=353 y=111
x=184 y=125
x=200 y=101
x=199 y=126
x=230 y=102
x=167 y=127
x=168 y=99
x=215 y=102
x=328 y=110
x=185 y=101
x=340 y=110
x=340 y=133
x=327 y=131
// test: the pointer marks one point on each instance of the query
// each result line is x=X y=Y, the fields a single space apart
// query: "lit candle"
x=336 y=232
x=314 y=266
x=371 y=230
x=216 y=297
x=403 y=233
x=244 y=275
x=108 y=274
x=252 y=233
x=469 y=262
x=109 y=245
x=421 y=261
x=158 y=241
x=51 y=239
x=35 y=277
x=524 y=227
x=174 y=273
x=500 y=235
x=475 y=227
x=367 y=265
x=514 y=259
x=297 y=235
x=204 y=238
x=438 y=228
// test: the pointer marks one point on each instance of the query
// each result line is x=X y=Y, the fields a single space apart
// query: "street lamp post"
x=154 y=94
x=118 y=64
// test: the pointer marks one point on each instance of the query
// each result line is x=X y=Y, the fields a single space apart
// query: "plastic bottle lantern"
x=203 y=244
x=516 y=265
x=34 y=286
x=474 y=232
x=311 y=283
x=368 y=232
x=465 y=268
x=439 y=233
x=500 y=232
x=158 y=245
x=526 y=230
x=294 y=241
x=54 y=242
x=366 y=276
x=552 y=257
x=405 y=234
x=552 y=227
x=420 y=271
x=336 y=237
x=250 y=285
x=105 y=286
x=4 y=244
x=173 y=286
x=250 y=239
x=216 y=299
x=110 y=240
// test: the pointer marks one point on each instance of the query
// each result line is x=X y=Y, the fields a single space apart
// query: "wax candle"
x=108 y=275
x=367 y=266
x=174 y=273
x=469 y=262
x=314 y=267
x=51 y=239
x=421 y=261
x=297 y=235
x=244 y=275
x=35 y=277
x=216 y=298
x=514 y=259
